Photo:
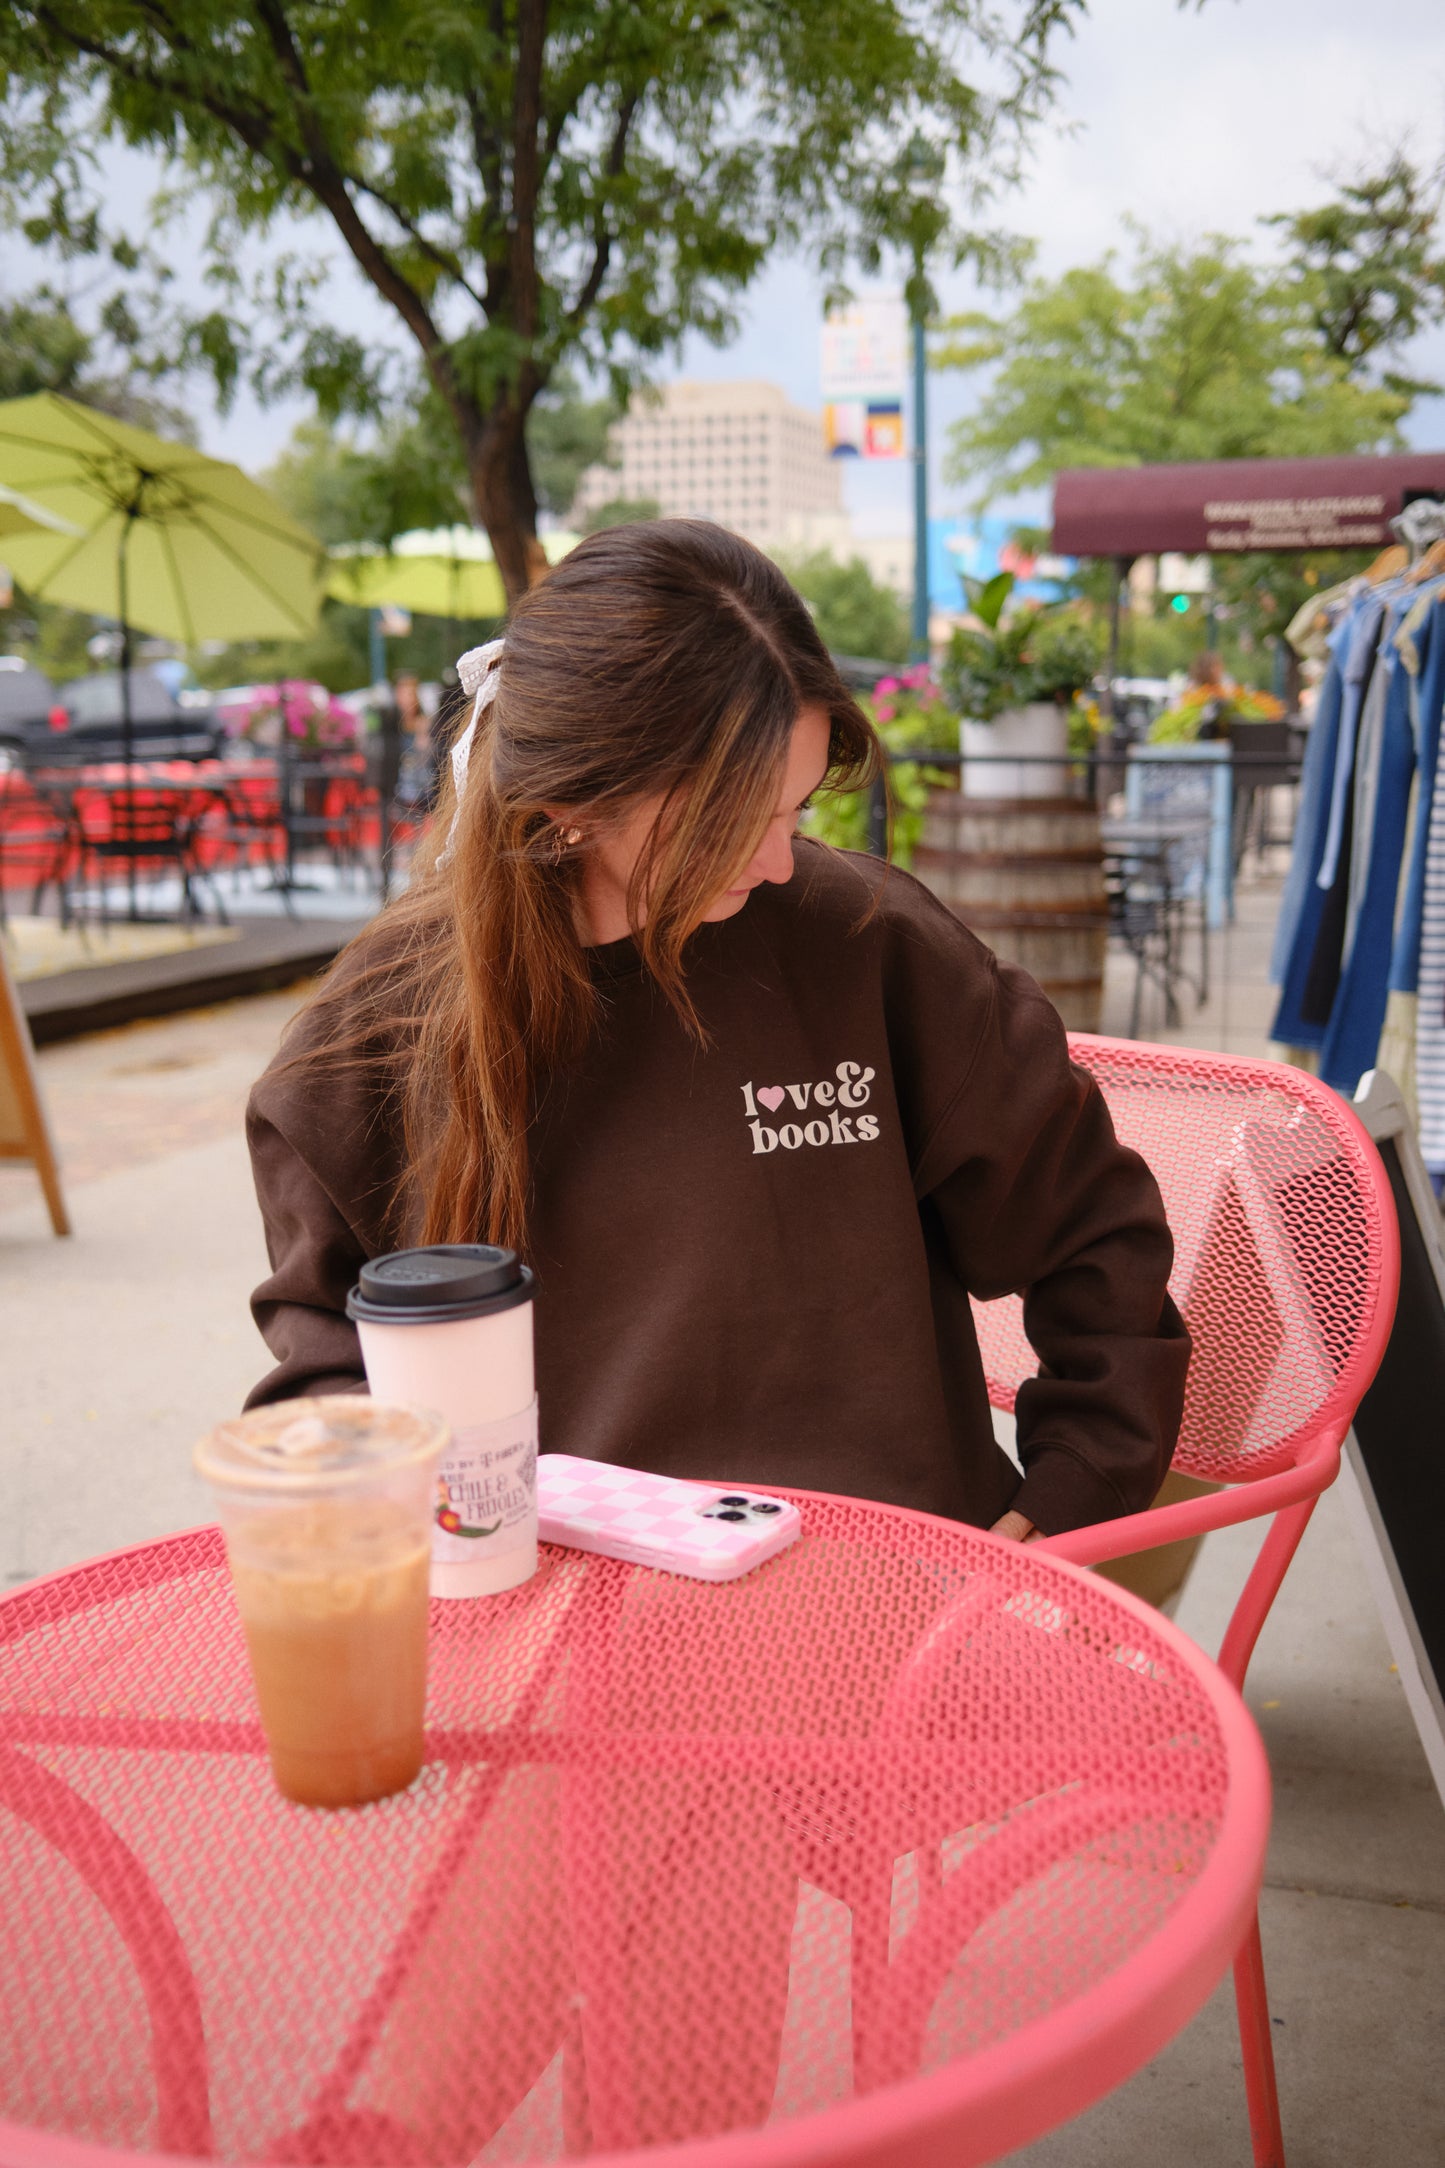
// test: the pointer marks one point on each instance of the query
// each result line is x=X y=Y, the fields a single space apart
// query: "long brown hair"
x=666 y=658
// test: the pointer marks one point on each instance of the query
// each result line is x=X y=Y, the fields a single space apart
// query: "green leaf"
x=1193 y=353
x=987 y=598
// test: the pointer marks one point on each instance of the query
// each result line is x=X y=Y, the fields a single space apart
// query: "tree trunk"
x=505 y=502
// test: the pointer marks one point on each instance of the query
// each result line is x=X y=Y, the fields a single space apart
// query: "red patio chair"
x=1286 y=1269
x=38 y=846
x=242 y=829
x=129 y=828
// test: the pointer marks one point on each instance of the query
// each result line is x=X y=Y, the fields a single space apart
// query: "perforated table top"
x=904 y=1847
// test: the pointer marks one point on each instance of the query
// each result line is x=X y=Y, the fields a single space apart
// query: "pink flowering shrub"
x=911 y=709
x=297 y=713
x=910 y=714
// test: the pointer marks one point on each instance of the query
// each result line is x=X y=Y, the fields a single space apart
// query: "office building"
x=738 y=453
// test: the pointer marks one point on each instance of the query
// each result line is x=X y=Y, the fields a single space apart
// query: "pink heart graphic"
x=771 y=1097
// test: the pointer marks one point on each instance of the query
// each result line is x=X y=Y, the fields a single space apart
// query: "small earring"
x=573 y=836
x=563 y=840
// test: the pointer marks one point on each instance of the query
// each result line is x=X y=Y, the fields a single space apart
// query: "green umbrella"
x=162 y=537
x=433 y=572
x=18 y=517
x=429 y=586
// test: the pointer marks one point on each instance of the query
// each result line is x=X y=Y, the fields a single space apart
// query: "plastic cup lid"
x=448 y=1280
x=340 y=1442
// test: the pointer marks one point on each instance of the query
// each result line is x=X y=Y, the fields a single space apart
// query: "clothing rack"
x=1359 y=953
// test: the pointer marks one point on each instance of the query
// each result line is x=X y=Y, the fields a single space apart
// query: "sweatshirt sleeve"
x=323 y=1159
x=300 y=1311
x=1037 y=1196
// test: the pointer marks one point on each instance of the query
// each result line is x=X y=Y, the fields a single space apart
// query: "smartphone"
x=701 y=1530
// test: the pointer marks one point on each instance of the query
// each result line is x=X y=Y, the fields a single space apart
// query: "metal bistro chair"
x=1144 y=920
x=243 y=832
x=38 y=846
x=324 y=807
x=1266 y=759
x=133 y=826
x=1286 y=1268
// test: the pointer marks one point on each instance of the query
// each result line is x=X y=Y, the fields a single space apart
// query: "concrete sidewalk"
x=122 y=1345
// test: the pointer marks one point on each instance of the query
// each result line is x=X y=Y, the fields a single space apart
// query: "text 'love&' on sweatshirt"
x=754 y=1257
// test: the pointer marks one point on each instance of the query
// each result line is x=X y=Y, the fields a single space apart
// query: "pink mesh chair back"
x=1286 y=1268
x=1283 y=1248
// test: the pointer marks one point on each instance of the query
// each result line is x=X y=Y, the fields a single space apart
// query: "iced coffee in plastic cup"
x=326 y=1507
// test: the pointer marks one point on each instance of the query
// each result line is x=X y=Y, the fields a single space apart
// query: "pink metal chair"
x=1286 y=1269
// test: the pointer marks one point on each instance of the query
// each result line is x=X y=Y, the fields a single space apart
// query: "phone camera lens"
x=730 y=1513
x=766 y=1505
x=732 y=1500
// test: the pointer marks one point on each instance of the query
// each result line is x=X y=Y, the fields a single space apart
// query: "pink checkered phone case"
x=696 y=1529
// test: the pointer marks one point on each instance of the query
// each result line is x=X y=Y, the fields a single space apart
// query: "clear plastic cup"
x=326 y=1508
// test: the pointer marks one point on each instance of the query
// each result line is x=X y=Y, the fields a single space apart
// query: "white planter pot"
x=1037 y=731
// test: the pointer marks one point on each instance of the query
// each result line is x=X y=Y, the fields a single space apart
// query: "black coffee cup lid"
x=437 y=1284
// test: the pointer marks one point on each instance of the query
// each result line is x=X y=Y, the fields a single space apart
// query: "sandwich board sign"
x=1393 y=1480
x=24 y=1130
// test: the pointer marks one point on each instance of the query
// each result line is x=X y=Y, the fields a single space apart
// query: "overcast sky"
x=1190 y=121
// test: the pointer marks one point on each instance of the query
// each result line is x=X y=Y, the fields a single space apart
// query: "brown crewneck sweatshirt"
x=754 y=1258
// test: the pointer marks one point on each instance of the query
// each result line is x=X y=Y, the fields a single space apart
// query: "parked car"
x=162 y=727
x=29 y=708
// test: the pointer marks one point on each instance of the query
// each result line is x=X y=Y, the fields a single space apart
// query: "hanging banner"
x=865 y=349
x=883 y=429
x=864 y=429
x=845 y=423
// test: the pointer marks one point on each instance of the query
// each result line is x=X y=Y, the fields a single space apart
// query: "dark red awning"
x=1239 y=504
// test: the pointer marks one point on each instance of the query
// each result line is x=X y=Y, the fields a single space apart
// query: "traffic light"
x=1179 y=603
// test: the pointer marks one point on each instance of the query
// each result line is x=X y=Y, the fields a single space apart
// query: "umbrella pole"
x=127 y=719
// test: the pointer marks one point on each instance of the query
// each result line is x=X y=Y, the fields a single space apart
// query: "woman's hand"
x=1014 y=1528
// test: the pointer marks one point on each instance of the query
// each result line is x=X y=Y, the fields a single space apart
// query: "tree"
x=1373 y=265
x=566 y=435
x=855 y=614
x=408 y=472
x=1198 y=354
x=526 y=186
x=347 y=491
x=44 y=347
x=620 y=512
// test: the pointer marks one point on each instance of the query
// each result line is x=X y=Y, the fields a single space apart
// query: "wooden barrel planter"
x=1027 y=876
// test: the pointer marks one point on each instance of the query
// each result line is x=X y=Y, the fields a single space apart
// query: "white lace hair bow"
x=477 y=674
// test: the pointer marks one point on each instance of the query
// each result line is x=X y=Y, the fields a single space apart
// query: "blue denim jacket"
x=1429 y=701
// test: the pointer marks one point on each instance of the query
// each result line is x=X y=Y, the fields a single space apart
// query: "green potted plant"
x=1015 y=677
x=910 y=715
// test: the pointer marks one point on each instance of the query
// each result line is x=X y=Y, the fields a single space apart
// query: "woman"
x=761 y=1115
x=416 y=780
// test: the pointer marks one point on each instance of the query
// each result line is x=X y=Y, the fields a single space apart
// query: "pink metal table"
x=903 y=1849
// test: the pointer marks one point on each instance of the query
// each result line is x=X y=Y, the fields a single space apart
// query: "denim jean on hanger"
x=1303 y=900
x=1316 y=775
x=1353 y=1034
x=1366 y=621
x=1429 y=703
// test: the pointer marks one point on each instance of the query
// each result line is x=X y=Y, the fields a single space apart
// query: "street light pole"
x=127 y=712
x=920 y=473
x=921 y=171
